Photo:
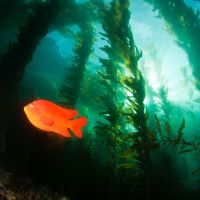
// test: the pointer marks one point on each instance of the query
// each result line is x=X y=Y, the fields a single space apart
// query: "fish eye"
x=31 y=105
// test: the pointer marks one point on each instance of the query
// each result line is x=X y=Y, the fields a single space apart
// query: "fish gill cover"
x=130 y=67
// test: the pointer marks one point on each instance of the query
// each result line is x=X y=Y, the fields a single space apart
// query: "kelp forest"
x=126 y=77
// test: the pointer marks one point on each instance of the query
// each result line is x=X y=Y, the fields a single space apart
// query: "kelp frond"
x=20 y=53
x=124 y=94
x=74 y=73
x=184 y=24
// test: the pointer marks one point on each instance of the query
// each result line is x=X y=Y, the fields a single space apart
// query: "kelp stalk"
x=74 y=73
x=124 y=95
x=184 y=24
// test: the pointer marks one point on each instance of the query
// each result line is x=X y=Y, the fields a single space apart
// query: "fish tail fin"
x=76 y=126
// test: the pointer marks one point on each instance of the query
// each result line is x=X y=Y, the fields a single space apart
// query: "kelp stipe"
x=122 y=142
x=40 y=20
x=13 y=64
x=43 y=16
x=123 y=102
x=19 y=54
x=70 y=90
x=184 y=24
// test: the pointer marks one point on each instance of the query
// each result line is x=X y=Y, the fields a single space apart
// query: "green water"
x=131 y=68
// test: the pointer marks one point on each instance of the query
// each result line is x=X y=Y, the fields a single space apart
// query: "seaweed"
x=184 y=24
x=178 y=140
x=86 y=13
x=40 y=20
x=10 y=16
x=176 y=143
x=70 y=90
x=123 y=100
x=14 y=62
x=122 y=133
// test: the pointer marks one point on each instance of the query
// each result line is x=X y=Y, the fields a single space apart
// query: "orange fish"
x=50 y=117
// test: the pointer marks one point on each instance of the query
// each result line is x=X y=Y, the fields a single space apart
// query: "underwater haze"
x=123 y=81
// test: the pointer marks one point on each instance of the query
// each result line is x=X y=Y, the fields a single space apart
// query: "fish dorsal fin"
x=69 y=113
x=47 y=121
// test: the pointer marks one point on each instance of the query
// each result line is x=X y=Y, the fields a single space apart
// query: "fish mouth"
x=26 y=109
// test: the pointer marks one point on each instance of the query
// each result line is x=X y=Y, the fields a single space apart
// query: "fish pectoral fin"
x=47 y=121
